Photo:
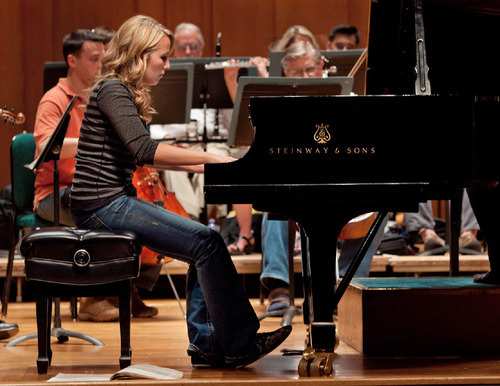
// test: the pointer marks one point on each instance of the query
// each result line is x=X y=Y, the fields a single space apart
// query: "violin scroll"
x=9 y=116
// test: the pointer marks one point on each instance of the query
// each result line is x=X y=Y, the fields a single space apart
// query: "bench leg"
x=125 y=312
x=43 y=317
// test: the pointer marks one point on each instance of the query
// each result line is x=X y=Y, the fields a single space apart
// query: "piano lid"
x=461 y=38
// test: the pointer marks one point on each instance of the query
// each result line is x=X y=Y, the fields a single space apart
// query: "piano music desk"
x=431 y=316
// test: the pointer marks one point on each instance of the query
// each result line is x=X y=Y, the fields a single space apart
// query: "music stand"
x=173 y=95
x=241 y=132
x=51 y=152
x=52 y=71
x=209 y=89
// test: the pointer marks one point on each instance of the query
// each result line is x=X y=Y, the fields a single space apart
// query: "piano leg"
x=320 y=283
x=320 y=278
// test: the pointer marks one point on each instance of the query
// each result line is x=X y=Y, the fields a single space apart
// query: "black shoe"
x=264 y=344
x=487 y=278
x=8 y=330
x=201 y=360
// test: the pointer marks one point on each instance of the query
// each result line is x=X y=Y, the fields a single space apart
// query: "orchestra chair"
x=22 y=152
x=65 y=261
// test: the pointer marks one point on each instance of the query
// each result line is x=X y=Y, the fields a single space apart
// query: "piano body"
x=323 y=160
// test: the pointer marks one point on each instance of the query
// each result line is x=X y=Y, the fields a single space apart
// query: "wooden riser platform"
x=422 y=316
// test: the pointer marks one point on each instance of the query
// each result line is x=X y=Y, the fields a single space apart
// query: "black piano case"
x=80 y=257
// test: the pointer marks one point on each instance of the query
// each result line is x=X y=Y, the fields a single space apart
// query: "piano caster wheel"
x=316 y=364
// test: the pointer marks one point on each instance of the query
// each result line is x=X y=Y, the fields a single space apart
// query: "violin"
x=9 y=116
x=150 y=188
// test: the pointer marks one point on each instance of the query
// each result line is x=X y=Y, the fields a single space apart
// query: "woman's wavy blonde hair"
x=127 y=56
x=290 y=34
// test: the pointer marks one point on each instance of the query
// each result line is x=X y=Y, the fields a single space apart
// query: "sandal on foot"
x=247 y=249
x=279 y=299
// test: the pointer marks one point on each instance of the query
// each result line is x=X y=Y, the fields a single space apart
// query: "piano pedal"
x=316 y=364
x=288 y=352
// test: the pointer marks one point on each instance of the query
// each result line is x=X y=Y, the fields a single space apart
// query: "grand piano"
x=323 y=160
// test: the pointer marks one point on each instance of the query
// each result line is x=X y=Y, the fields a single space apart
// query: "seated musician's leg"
x=422 y=223
x=469 y=227
x=245 y=243
x=486 y=204
x=275 y=276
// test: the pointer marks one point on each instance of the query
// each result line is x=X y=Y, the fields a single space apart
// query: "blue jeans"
x=275 y=251
x=220 y=318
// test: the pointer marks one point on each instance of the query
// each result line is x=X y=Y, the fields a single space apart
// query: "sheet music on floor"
x=138 y=371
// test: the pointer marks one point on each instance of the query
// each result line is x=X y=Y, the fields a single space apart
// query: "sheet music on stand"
x=54 y=144
x=241 y=132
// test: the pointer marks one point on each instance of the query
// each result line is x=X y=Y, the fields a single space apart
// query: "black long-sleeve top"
x=113 y=140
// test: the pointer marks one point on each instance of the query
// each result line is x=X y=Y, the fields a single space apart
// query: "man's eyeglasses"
x=298 y=72
x=192 y=46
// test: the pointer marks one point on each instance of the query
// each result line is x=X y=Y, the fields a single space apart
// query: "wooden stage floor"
x=162 y=341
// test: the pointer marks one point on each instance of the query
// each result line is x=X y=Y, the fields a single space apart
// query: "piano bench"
x=74 y=262
x=438 y=316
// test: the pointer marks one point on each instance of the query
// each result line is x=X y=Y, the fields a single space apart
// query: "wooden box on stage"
x=420 y=317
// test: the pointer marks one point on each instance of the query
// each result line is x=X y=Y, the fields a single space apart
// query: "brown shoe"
x=98 y=310
x=430 y=239
x=468 y=240
x=139 y=308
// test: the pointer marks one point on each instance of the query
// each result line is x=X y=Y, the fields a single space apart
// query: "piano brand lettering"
x=360 y=150
x=297 y=150
x=322 y=135
x=322 y=150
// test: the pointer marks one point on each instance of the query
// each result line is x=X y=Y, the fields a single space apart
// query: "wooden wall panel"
x=358 y=14
x=32 y=33
x=12 y=82
x=247 y=26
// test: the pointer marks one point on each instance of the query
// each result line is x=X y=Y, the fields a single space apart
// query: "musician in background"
x=188 y=187
x=106 y=33
x=189 y=42
x=343 y=37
